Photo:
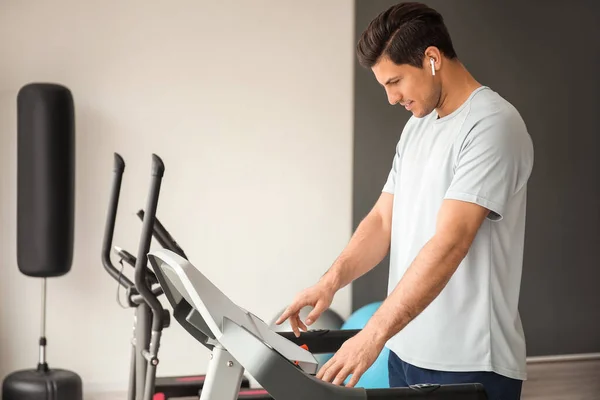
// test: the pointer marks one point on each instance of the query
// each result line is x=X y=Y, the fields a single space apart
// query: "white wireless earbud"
x=432 y=61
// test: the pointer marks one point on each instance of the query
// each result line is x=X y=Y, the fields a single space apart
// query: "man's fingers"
x=292 y=309
x=298 y=325
x=332 y=371
x=342 y=375
x=294 y=325
x=356 y=375
x=321 y=372
x=320 y=307
x=325 y=367
x=302 y=325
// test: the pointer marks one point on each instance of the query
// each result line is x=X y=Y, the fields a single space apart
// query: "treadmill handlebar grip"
x=463 y=391
x=321 y=341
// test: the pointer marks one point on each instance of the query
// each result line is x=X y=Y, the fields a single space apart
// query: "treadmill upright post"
x=223 y=377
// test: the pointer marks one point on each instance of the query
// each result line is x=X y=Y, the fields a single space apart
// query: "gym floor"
x=573 y=380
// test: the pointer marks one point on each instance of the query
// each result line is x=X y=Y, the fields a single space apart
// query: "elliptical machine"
x=142 y=295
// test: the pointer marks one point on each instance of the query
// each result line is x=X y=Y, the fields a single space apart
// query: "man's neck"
x=457 y=85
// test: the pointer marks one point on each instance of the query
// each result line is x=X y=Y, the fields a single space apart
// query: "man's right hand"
x=319 y=296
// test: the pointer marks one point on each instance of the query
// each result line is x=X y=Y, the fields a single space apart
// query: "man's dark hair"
x=402 y=33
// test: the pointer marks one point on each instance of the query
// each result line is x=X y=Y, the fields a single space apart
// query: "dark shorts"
x=498 y=387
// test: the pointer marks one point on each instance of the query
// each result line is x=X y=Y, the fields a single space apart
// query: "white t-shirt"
x=481 y=153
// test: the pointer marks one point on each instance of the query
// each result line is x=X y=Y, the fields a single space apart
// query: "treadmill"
x=239 y=341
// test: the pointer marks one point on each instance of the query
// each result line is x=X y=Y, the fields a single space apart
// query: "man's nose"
x=394 y=98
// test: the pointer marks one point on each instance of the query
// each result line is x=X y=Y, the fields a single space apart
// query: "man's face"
x=411 y=87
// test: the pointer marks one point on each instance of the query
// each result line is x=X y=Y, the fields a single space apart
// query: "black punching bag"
x=45 y=220
x=45 y=175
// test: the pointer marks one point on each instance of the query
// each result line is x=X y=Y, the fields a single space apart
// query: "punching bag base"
x=32 y=384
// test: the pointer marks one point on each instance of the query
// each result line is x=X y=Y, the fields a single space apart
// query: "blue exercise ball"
x=377 y=375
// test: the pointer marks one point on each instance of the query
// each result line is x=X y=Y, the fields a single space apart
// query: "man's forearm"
x=368 y=246
x=421 y=284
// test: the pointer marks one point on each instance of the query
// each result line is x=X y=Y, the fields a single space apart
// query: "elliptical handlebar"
x=159 y=232
x=143 y=293
x=109 y=228
x=152 y=280
x=137 y=298
x=130 y=259
x=141 y=269
x=163 y=236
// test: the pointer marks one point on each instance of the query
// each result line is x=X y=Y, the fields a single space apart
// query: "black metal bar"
x=158 y=169
x=132 y=260
x=321 y=341
x=109 y=228
x=462 y=391
x=163 y=236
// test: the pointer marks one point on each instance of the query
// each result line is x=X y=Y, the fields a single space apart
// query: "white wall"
x=250 y=106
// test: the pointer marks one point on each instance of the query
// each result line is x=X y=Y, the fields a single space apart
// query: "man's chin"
x=420 y=113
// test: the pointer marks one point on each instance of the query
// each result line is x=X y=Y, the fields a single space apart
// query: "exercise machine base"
x=41 y=384
x=168 y=387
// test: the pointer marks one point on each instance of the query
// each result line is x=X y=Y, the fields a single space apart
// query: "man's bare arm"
x=368 y=246
x=457 y=226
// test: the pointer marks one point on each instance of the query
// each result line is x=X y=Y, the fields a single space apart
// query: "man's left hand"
x=354 y=357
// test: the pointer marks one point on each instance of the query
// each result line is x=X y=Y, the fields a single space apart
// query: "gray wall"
x=544 y=57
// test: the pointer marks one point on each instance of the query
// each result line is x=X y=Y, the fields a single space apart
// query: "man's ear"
x=434 y=53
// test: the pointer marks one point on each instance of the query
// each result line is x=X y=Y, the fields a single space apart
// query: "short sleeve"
x=494 y=163
x=390 y=183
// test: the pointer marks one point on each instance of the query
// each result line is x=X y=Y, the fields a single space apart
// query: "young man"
x=452 y=215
